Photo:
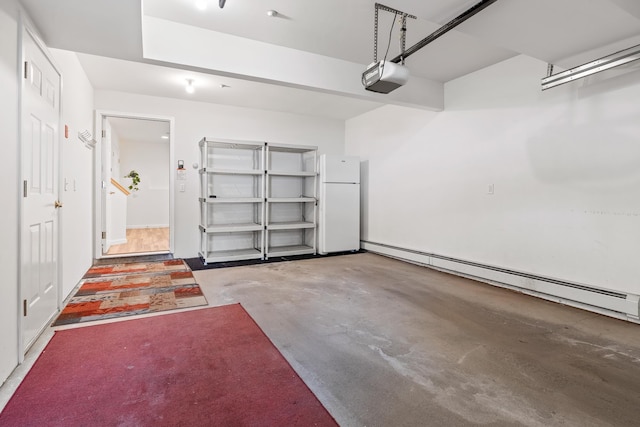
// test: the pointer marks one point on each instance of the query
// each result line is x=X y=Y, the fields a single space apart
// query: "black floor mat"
x=198 y=264
x=128 y=258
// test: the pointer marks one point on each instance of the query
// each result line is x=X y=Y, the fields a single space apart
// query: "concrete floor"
x=386 y=343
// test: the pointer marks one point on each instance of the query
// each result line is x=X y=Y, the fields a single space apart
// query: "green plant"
x=135 y=180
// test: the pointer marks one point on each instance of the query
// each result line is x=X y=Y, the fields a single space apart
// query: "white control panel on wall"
x=181 y=175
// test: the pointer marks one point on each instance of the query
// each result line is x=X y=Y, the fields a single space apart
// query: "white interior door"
x=106 y=178
x=40 y=117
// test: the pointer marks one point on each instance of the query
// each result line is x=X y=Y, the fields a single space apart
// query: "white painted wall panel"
x=148 y=207
x=563 y=165
x=76 y=161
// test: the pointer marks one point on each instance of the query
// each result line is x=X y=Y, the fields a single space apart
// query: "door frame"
x=101 y=186
x=25 y=25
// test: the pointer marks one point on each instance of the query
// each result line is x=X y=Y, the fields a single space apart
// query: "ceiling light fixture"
x=165 y=136
x=190 y=88
x=221 y=3
x=201 y=4
x=223 y=86
x=272 y=13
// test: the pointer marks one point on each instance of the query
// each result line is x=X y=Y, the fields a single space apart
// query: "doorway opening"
x=135 y=194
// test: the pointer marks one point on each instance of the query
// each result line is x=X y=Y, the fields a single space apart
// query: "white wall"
x=194 y=120
x=149 y=206
x=9 y=190
x=563 y=164
x=76 y=162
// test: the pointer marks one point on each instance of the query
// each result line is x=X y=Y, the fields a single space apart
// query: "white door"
x=105 y=176
x=39 y=235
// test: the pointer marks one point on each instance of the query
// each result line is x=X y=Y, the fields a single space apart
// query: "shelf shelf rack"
x=257 y=200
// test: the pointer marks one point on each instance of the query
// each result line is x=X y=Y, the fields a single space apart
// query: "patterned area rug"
x=137 y=267
x=118 y=290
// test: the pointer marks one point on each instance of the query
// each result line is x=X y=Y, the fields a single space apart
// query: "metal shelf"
x=292 y=173
x=232 y=171
x=231 y=200
x=292 y=225
x=231 y=255
x=241 y=182
x=230 y=143
x=289 y=250
x=291 y=199
x=230 y=228
x=289 y=148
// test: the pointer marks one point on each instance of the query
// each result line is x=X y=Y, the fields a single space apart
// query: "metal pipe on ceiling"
x=444 y=29
x=611 y=61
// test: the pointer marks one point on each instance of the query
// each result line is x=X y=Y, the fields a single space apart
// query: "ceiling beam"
x=224 y=54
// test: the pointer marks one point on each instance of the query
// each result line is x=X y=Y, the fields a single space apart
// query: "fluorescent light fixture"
x=201 y=4
x=165 y=137
x=190 y=88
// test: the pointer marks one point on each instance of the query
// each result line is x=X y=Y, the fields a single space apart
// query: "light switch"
x=182 y=186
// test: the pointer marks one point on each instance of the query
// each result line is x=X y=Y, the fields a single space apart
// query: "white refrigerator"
x=339 y=225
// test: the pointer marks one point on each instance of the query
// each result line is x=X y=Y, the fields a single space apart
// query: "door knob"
x=57 y=204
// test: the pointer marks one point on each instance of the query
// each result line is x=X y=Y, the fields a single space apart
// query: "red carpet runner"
x=208 y=367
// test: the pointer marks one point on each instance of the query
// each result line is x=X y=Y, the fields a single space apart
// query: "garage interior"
x=498 y=189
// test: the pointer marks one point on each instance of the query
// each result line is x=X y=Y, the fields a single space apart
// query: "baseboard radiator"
x=611 y=303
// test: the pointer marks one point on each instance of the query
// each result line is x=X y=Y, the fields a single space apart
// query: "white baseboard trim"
x=131 y=227
x=611 y=303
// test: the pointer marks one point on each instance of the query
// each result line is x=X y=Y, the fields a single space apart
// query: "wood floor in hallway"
x=141 y=240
